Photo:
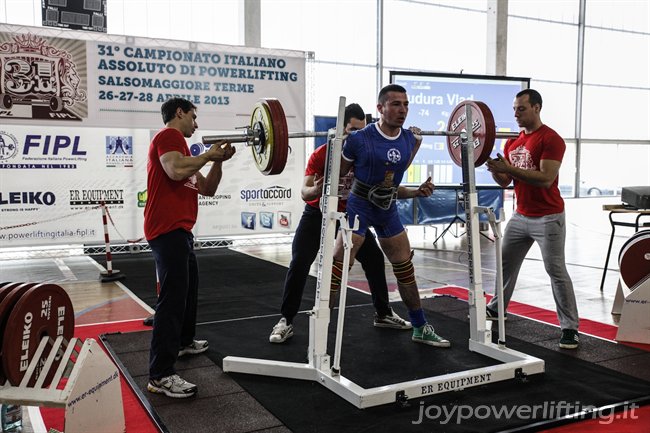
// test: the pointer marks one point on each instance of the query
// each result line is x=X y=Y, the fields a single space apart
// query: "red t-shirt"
x=526 y=152
x=316 y=166
x=171 y=204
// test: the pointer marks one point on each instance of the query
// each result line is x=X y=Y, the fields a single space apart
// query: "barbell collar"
x=233 y=138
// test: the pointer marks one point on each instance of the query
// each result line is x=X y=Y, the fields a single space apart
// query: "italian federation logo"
x=8 y=146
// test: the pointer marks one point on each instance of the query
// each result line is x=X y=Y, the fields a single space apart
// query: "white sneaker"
x=172 y=386
x=281 y=332
x=393 y=321
x=197 y=346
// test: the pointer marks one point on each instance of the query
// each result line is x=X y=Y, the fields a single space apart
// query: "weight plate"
x=483 y=128
x=43 y=310
x=634 y=258
x=6 y=305
x=261 y=120
x=5 y=289
x=280 y=137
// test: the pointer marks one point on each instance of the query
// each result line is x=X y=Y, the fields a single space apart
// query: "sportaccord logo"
x=271 y=193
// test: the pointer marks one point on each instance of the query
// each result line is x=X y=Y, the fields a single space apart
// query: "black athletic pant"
x=175 y=320
x=306 y=243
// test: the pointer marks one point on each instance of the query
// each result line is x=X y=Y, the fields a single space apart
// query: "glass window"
x=542 y=50
x=566 y=11
x=190 y=20
x=336 y=30
x=356 y=83
x=613 y=57
x=430 y=37
x=559 y=106
x=615 y=113
x=567 y=174
x=21 y=12
x=606 y=167
x=631 y=15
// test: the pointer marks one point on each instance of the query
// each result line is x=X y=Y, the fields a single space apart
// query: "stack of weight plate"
x=28 y=313
x=634 y=259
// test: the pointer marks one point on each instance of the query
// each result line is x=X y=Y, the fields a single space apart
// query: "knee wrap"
x=404 y=272
x=337 y=272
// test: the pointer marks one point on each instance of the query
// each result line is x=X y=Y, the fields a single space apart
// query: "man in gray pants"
x=532 y=161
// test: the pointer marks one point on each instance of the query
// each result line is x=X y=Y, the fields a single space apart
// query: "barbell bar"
x=268 y=136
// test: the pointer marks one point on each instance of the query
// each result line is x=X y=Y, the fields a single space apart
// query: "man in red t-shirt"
x=532 y=161
x=174 y=181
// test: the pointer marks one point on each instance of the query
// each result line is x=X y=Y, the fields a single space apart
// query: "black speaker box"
x=636 y=196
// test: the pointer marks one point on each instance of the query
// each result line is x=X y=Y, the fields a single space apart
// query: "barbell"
x=268 y=136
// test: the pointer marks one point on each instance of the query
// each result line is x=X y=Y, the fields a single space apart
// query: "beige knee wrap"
x=404 y=272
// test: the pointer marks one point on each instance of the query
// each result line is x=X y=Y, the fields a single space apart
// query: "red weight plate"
x=634 y=258
x=261 y=119
x=5 y=289
x=484 y=131
x=6 y=304
x=280 y=137
x=43 y=310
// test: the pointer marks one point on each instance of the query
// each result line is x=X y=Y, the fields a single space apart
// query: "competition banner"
x=77 y=117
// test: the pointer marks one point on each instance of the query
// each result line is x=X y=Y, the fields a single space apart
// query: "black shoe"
x=569 y=339
x=148 y=321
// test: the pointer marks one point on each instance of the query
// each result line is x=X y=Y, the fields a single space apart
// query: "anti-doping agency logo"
x=119 y=151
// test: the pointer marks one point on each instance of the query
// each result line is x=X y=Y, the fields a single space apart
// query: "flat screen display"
x=433 y=97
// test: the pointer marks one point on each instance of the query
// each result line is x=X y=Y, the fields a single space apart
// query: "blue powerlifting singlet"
x=378 y=160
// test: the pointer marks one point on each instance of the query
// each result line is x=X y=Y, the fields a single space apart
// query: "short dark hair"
x=353 y=111
x=169 y=107
x=533 y=96
x=381 y=99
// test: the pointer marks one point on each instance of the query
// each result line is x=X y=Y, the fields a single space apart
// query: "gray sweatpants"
x=549 y=232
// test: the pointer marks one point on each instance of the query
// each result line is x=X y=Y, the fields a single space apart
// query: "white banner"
x=77 y=118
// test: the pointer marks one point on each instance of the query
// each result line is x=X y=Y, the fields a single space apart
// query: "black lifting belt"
x=380 y=196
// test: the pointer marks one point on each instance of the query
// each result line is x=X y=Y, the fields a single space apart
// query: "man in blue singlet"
x=380 y=154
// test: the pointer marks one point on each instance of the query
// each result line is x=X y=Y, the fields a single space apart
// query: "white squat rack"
x=319 y=368
x=92 y=395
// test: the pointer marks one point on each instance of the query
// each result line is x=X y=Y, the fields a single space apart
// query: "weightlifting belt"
x=380 y=196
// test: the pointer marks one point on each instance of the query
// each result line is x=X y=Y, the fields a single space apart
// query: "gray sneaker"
x=172 y=386
x=197 y=346
x=393 y=321
x=281 y=332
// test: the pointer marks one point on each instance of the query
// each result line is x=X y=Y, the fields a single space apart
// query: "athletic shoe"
x=426 y=335
x=569 y=339
x=281 y=332
x=197 y=346
x=172 y=386
x=393 y=321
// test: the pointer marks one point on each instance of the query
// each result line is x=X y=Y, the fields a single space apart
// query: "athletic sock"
x=417 y=318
